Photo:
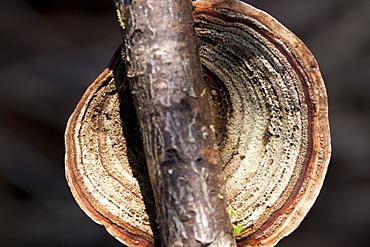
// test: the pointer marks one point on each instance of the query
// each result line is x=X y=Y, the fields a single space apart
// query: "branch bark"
x=167 y=83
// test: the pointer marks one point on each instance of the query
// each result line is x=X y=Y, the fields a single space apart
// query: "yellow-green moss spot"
x=232 y=212
x=237 y=229
x=203 y=92
x=120 y=19
x=234 y=216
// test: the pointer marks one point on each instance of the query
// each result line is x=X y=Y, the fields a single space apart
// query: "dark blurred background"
x=52 y=50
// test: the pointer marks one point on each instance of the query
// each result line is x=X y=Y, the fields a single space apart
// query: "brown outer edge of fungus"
x=319 y=149
x=131 y=239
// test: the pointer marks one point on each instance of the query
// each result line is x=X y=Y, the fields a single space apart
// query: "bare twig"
x=166 y=79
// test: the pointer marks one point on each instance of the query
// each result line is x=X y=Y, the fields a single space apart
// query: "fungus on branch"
x=268 y=111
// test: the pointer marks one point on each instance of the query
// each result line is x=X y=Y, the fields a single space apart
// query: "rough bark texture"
x=182 y=156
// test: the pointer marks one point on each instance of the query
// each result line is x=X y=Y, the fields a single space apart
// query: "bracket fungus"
x=270 y=116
